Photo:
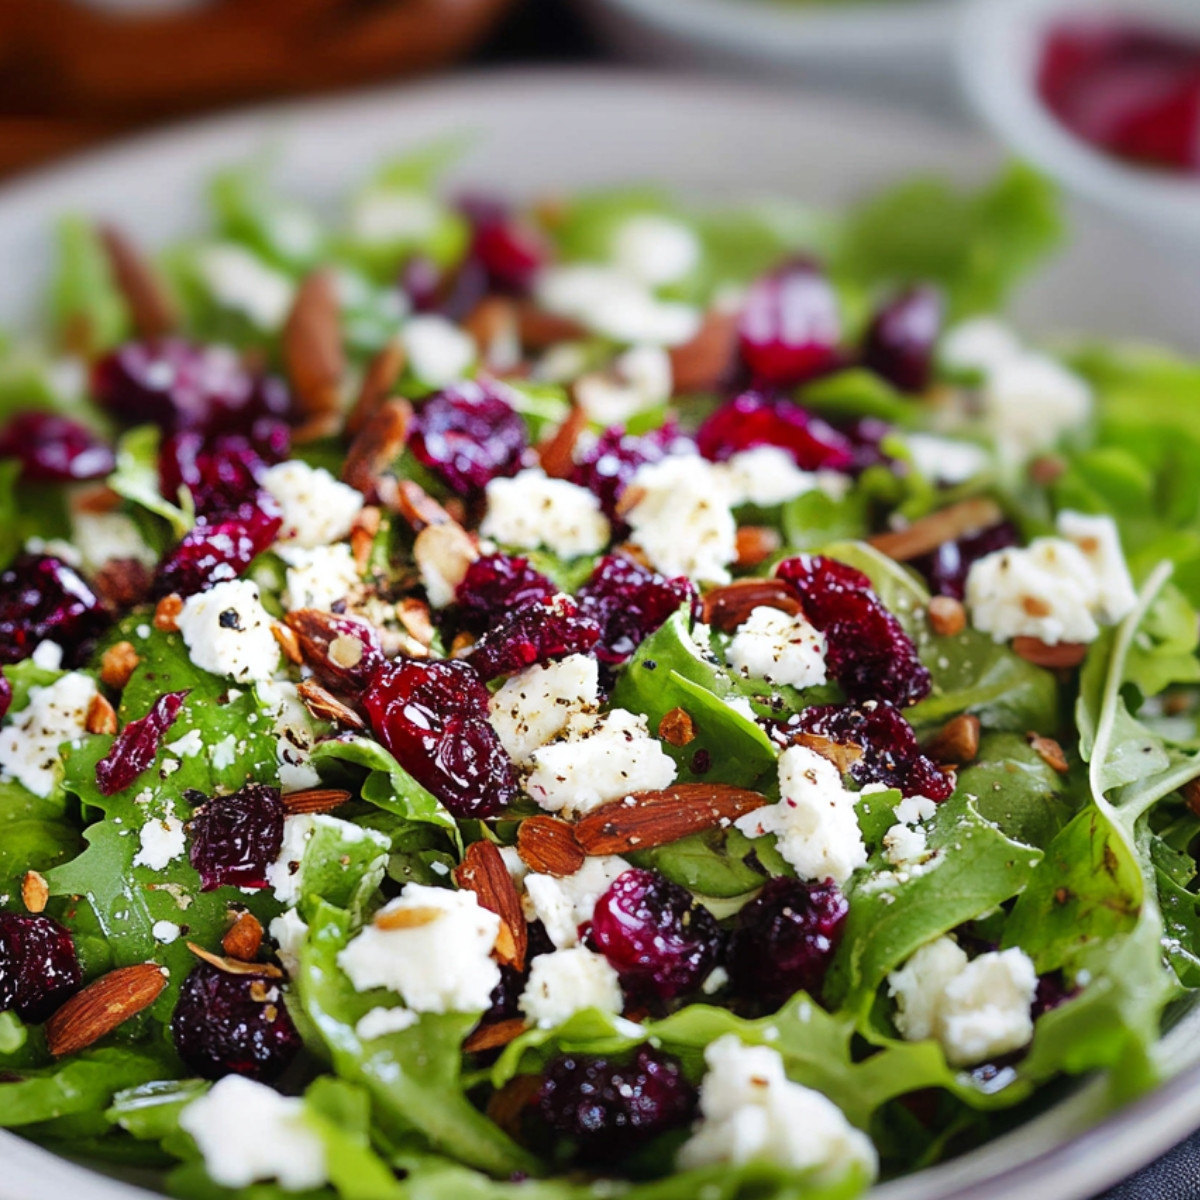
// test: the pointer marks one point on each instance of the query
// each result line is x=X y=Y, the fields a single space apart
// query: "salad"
x=611 y=697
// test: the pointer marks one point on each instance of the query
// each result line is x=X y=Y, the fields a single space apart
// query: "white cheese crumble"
x=814 y=823
x=600 y=759
x=289 y=933
x=284 y=873
x=317 y=509
x=165 y=932
x=779 y=648
x=103 y=537
x=751 y=1112
x=1097 y=539
x=534 y=706
x=48 y=655
x=768 y=475
x=569 y=981
x=441 y=965
x=385 y=215
x=980 y=344
x=55 y=714
x=946 y=460
x=187 y=746
x=639 y=379
x=162 y=841
x=682 y=518
x=242 y=282
x=977 y=1010
x=295 y=735
x=438 y=352
x=228 y=632
x=564 y=903
x=655 y=250
x=320 y=577
x=249 y=1133
x=531 y=510
x=905 y=846
x=379 y=1022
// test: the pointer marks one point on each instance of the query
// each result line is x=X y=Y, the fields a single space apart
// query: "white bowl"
x=998 y=51
x=558 y=131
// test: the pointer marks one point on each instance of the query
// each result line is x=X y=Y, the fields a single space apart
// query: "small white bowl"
x=998 y=52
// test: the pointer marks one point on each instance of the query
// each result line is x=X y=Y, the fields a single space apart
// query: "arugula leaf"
x=248 y=210
x=136 y=479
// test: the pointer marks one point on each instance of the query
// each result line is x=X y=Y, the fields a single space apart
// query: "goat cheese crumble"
x=532 y=510
x=228 y=632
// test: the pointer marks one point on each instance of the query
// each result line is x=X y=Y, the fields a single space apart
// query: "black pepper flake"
x=230 y=620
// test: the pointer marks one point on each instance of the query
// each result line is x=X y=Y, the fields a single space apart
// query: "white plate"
x=555 y=132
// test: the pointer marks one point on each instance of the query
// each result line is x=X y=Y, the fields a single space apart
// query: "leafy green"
x=85 y=307
x=136 y=479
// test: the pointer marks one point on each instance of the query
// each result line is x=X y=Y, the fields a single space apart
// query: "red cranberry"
x=869 y=654
x=609 y=1109
x=5 y=695
x=538 y=633
x=467 y=435
x=235 y=838
x=512 y=254
x=177 y=384
x=658 y=939
x=136 y=746
x=753 y=419
x=890 y=753
x=785 y=940
x=630 y=602
x=946 y=568
x=791 y=327
x=216 y=550
x=496 y=585
x=1052 y=990
x=227 y=1024
x=420 y=281
x=54 y=449
x=902 y=338
x=41 y=597
x=38 y=966
x=608 y=466
x=224 y=473
x=433 y=716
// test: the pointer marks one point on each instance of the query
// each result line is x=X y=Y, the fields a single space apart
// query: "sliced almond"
x=415 y=917
x=957 y=742
x=843 y=755
x=725 y=608
x=1062 y=656
x=362 y=536
x=539 y=330
x=103 y=1005
x=325 y=706
x=946 y=525
x=414 y=615
x=1049 y=751
x=557 y=454
x=312 y=347
x=419 y=508
x=649 y=819
x=705 y=362
x=122 y=584
x=483 y=872
x=493 y=1035
x=315 y=800
x=378 y=382
x=244 y=939
x=375 y=449
x=677 y=727
x=101 y=716
x=235 y=966
x=117 y=665
x=445 y=550
x=151 y=306
x=495 y=328
x=755 y=544
x=548 y=846
x=947 y=616
x=289 y=643
x=35 y=891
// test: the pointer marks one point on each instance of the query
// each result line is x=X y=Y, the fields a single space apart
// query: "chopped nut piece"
x=345 y=652
x=548 y=846
x=35 y=891
x=289 y=643
x=677 y=727
x=381 y=375
x=117 y=665
x=419 y=508
x=103 y=1005
x=947 y=616
x=1046 y=469
x=151 y=307
x=122 y=584
x=725 y=608
x=407 y=918
x=235 y=966
x=166 y=613
x=539 y=330
x=495 y=329
x=244 y=939
x=1062 y=656
x=362 y=536
x=557 y=454
x=312 y=348
x=101 y=716
x=843 y=755
x=484 y=873
x=444 y=552
x=705 y=362
x=325 y=706
x=946 y=525
x=413 y=614
x=755 y=544
x=314 y=800
x=493 y=1035
x=373 y=452
x=957 y=742
x=1049 y=751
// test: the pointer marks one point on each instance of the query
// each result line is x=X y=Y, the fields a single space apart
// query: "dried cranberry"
x=496 y=585
x=38 y=966
x=946 y=568
x=609 y=1109
x=223 y=473
x=343 y=652
x=511 y=253
x=608 y=466
x=176 y=384
x=1052 y=990
x=754 y=419
x=433 y=716
x=235 y=838
x=890 y=753
x=54 y=449
x=136 y=746
x=869 y=654
x=902 y=338
x=537 y=633
x=791 y=327
x=506 y=995
x=227 y=1024
x=865 y=436
x=785 y=940
x=215 y=550
x=630 y=602
x=468 y=435
x=420 y=281
x=658 y=939
x=42 y=598
x=6 y=695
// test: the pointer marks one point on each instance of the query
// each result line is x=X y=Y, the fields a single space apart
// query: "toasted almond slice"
x=151 y=306
x=677 y=727
x=325 y=706
x=376 y=447
x=235 y=966
x=244 y=939
x=408 y=918
x=947 y=616
x=362 y=536
x=1062 y=656
x=539 y=330
x=957 y=742
x=483 y=872
x=35 y=891
x=317 y=427
x=557 y=454
x=315 y=800
x=117 y=665
x=493 y=1035
x=419 y=508
x=101 y=716
x=727 y=607
x=843 y=755
x=413 y=614
x=378 y=382
x=649 y=819
x=103 y=1005
x=548 y=846
x=312 y=346
x=1049 y=751
x=289 y=643
x=755 y=544
x=946 y=525
x=705 y=362
x=446 y=550
x=494 y=327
